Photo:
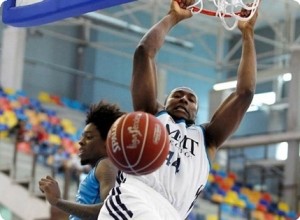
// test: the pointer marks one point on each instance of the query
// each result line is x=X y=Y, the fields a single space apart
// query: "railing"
x=25 y=170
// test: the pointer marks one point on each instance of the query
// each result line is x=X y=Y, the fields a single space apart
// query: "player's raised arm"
x=144 y=81
x=229 y=115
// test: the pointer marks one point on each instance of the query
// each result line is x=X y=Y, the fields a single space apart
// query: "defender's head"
x=100 y=118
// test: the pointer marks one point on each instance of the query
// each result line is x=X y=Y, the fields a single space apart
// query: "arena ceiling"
x=278 y=16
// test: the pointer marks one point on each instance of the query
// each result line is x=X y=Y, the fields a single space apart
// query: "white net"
x=228 y=8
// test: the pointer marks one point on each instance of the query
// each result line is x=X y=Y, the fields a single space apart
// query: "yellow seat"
x=2 y=119
x=254 y=197
x=9 y=114
x=44 y=97
x=70 y=130
x=277 y=217
x=240 y=203
x=217 y=198
x=65 y=122
x=233 y=195
x=231 y=198
x=211 y=178
x=283 y=206
x=9 y=118
x=9 y=91
x=12 y=122
x=216 y=167
x=212 y=217
x=54 y=139
x=4 y=134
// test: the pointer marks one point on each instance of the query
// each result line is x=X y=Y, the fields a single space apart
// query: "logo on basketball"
x=138 y=143
x=114 y=141
x=135 y=132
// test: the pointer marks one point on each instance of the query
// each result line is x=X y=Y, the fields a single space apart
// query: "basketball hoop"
x=226 y=9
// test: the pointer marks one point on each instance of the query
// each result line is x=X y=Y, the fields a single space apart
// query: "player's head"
x=182 y=102
x=99 y=119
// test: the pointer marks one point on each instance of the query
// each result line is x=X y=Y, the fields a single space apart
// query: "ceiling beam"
x=262 y=140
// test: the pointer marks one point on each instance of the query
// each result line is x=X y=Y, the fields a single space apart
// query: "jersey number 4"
x=175 y=162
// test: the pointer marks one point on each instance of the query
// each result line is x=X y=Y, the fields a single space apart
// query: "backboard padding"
x=51 y=10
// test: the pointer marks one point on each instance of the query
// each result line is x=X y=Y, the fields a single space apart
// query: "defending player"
x=95 y=187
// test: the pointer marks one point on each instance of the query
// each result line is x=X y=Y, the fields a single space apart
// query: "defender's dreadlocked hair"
x=103 y=115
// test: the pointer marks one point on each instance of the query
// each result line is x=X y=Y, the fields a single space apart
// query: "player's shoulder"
x=104 y=163
x=161 y=112
x=104 y=167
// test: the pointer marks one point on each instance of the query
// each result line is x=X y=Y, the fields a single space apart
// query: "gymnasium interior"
x=50 y=73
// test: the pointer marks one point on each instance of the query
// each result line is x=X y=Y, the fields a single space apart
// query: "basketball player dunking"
x=170 y=192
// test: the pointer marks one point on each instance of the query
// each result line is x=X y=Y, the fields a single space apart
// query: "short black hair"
x=103 y=115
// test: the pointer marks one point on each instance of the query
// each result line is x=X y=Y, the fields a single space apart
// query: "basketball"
x=137 y=143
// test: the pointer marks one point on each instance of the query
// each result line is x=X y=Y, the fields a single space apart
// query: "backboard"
x=27 y=13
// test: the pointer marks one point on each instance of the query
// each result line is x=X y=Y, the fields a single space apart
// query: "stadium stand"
x=46 y=130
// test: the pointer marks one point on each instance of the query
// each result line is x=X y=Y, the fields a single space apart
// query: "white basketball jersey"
x=184 y=173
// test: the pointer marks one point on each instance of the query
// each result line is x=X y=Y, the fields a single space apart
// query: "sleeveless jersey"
x=185 y=171
x=88 y=191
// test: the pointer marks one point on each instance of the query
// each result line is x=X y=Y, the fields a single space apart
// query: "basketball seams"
x=144 y=135
x=123 y=148
x=112 y=155
x=122 y=144
x=126 y=158
x=120 y=165
x=160 y=152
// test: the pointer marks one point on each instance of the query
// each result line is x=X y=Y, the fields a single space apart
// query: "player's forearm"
x=79 y=210
x=248 y=67
x=155 y=37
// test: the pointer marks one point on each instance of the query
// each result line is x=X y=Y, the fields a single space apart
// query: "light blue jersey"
x=88 y=192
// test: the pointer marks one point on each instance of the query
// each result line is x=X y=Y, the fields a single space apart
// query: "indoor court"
x=60 y=56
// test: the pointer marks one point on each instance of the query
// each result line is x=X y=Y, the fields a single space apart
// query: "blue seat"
x=3 y=127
